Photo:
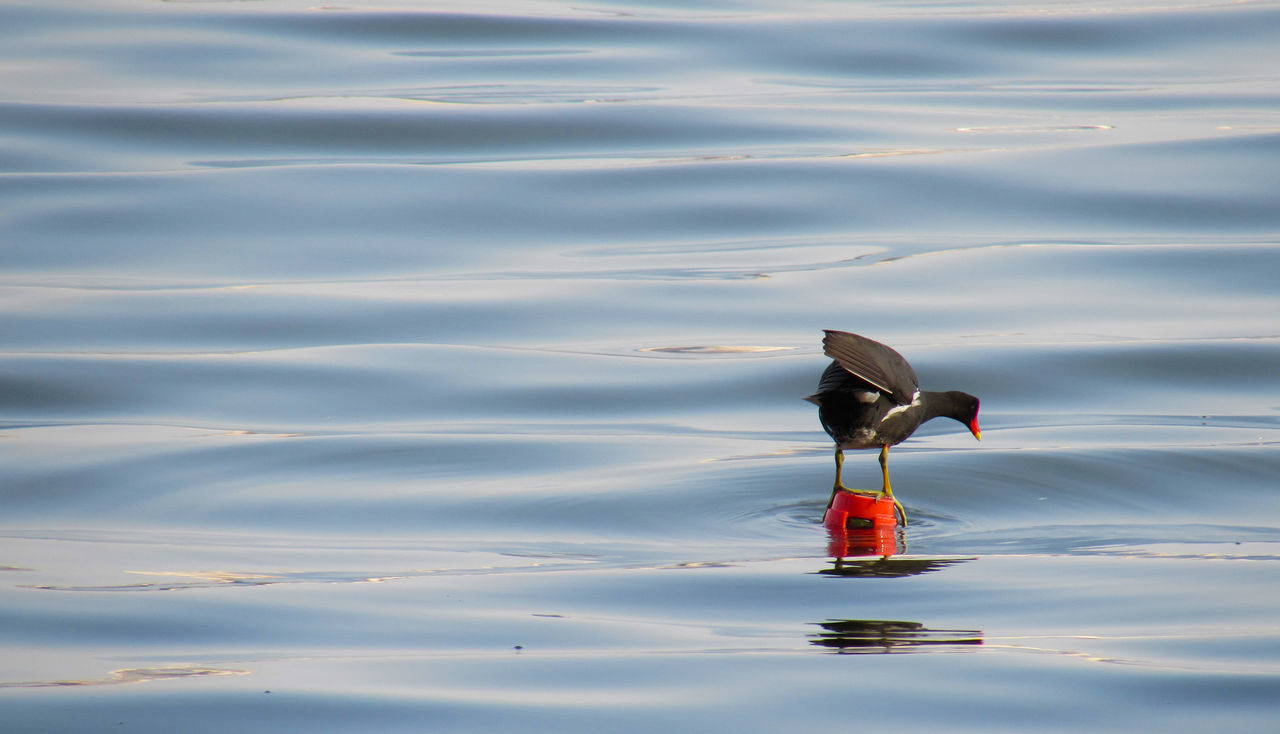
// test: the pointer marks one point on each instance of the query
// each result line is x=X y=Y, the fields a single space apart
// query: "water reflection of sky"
x=443 y=366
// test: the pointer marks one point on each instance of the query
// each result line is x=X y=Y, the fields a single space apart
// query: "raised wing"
x=874 y=362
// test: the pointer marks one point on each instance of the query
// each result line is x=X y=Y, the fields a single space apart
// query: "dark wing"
x=836 y=379
x=873 y=362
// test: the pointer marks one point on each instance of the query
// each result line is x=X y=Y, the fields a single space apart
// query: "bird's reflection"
x=887 y=568
x=884 y=636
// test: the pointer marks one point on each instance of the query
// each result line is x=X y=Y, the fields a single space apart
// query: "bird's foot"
x=860 y=492
x=886 y=492
x=902 y=511
x=837 y=489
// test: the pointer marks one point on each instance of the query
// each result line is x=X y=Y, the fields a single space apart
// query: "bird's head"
x=964 y=407
x=972 y=423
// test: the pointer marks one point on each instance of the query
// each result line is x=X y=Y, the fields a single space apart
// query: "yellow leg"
x=838 y=484
x=886 y=489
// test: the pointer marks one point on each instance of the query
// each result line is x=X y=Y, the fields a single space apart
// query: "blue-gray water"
x=401 y=367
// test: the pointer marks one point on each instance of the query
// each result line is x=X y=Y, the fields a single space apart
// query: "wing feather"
x=872 y=361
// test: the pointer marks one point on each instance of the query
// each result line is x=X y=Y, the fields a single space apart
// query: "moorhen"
x=869 y=398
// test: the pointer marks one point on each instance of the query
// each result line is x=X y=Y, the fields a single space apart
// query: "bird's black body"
x=869 y=397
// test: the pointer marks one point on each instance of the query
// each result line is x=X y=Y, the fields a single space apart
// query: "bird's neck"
x=942 y=405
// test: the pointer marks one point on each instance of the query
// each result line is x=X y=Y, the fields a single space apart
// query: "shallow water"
x=425 y=366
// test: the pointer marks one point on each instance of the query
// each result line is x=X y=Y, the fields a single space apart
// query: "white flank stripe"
x=915 y=402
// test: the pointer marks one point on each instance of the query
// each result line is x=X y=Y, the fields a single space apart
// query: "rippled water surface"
x=409 y=366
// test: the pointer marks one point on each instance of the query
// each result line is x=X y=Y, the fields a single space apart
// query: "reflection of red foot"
x=861 y=525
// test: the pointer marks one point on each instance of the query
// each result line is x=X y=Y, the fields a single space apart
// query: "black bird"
x=869 y=398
